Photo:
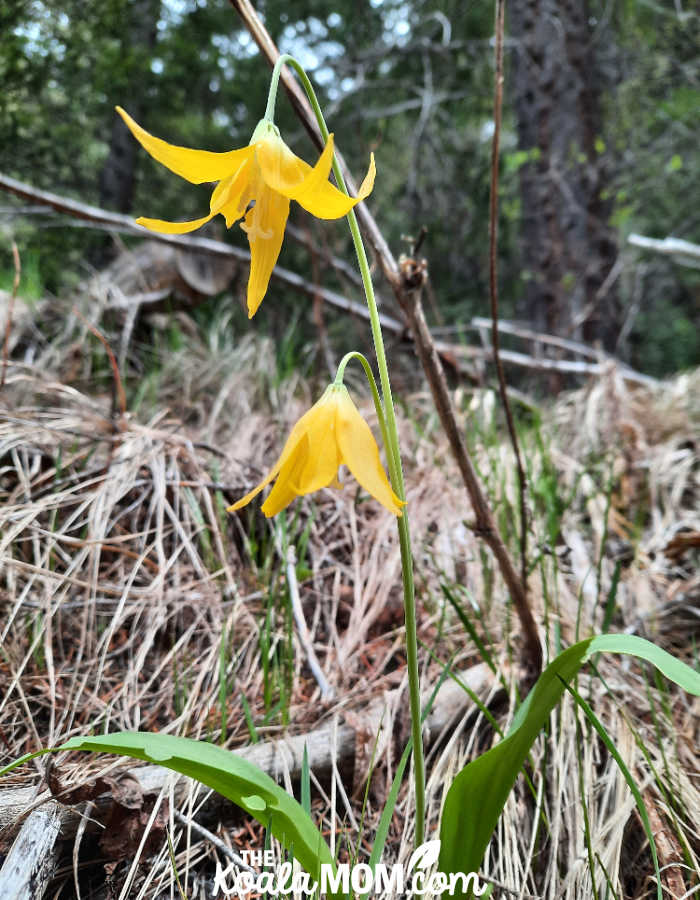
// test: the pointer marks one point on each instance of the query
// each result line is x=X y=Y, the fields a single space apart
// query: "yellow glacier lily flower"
x=255 y=184
x=330 y=434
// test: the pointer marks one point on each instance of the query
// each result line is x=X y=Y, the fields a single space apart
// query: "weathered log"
x=330 y=744
x=31 y=862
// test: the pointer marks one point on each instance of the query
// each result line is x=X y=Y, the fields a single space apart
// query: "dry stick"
x=95 y=217
x=213 y=839
x=10 y=311
x=493 y=286
x=102 y=218
x=327 y=691
x=485 y=524
x=407 y=282
x=120 y=395
x=451 y=352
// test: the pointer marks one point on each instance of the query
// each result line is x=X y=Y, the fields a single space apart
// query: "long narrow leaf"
x=227 y=773
x=479 y=792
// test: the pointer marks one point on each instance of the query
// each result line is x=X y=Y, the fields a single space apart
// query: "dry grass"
x=121 y=574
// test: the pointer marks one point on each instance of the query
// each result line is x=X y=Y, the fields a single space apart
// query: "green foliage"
x=230 y=775
x=479 y=792
x=413 y=81
x=653 y=130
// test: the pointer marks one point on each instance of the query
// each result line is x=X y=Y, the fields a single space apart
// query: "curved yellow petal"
x=285 y=173
x=325 y=201
x=264 y=224
x=287 y=451
x=360 y=453
x=174 y=227
x=281 y=169
x=223 y=195
x=195 y=166
x=231 y=196
x=296 y=435
x=285 y=489
x=321 y=468
x=244 y=501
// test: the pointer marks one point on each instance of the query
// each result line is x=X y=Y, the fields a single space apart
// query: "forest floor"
x=130 y=599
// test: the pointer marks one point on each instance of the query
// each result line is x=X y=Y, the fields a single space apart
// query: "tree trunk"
x=568 y=246
x=116 y=179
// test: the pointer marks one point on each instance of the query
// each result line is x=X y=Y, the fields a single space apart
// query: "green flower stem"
x=392 y=448
x=354 y=354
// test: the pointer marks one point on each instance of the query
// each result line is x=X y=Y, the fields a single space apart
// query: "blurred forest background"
x=131 y=599
x=599 y=140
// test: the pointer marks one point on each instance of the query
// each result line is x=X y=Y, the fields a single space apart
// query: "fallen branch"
x=125 y=224
x=32 y=859
x=537 y=337
x=544 y=364
x=687 y=254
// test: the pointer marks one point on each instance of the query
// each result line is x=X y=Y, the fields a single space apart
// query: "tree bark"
x=116 y=180
x=568 y=246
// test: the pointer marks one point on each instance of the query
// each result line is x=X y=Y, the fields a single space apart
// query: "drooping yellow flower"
x=330 y=434
x=256 y=184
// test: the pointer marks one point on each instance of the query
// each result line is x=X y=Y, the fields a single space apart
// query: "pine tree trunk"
x=116 y=179
x=568 y=245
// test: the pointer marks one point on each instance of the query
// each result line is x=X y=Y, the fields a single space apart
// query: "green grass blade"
x=605 y=737
x=469 y=628
x=305 y=783
x=612 y=597
x=248 y=715
x=173 y=863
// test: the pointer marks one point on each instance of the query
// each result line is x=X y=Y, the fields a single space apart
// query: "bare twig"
x=686 y=253
x=10 y=312
x=485 y=523
x=290 y=562
x=213 y=839
x=120 y=395
x=493 y=287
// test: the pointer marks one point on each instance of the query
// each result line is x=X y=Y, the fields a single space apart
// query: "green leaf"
x=306 y=782
x=231 y=776
x=478 y=794
x=674 y=669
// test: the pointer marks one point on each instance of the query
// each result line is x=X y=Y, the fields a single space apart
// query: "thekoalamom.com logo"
x=414 y=879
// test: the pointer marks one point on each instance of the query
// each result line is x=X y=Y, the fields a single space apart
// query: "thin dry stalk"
x=120 y=395
x=10 y=311
x=493 y=287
